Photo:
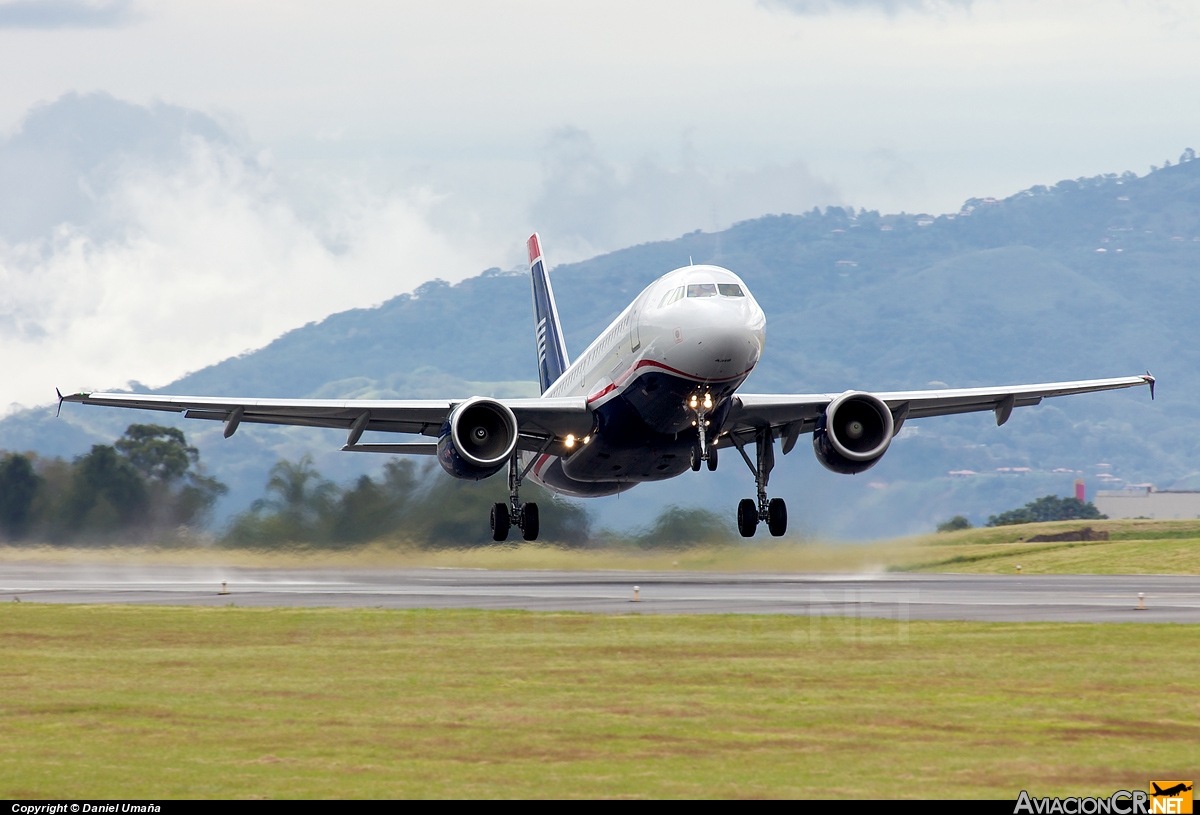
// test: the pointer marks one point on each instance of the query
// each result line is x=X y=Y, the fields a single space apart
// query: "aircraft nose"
x=718 y=340
x=733 y=347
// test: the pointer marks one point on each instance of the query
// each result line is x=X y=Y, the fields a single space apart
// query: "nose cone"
x=712 y=338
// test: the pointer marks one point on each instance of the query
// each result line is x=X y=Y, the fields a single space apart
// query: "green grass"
x=110 y=702
x=1136 y=547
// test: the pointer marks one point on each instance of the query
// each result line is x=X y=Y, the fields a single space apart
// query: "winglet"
x=58 y=412
x=1149 y=377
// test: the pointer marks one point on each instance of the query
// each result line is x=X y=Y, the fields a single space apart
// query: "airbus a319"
x=655 y=395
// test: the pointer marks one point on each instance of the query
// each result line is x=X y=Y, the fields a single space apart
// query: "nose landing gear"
x=750 y=511
x=700 y=407
x=523 y=516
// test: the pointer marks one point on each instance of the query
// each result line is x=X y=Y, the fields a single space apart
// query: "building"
x=1147 y=502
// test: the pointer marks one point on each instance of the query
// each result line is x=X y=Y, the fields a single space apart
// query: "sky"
x=184 y=181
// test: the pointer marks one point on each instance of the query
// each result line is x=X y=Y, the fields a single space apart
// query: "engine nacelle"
x=853 y=433
x=478 y=439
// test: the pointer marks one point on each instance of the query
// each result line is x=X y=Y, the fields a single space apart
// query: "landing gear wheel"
x=747 y=517
x=500 y=522
x=529 y=522
x=696 y=459
x=712 y=459
x=777 y=516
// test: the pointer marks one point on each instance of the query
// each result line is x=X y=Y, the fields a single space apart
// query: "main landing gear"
x=523 y=516
x=749 y=511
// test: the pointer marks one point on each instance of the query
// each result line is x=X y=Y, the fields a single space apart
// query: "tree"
x=301 y=494
x=195 y=499
x=18 y=487
x=1048 y=508
x=421 y=505
x=298 y=507
x=107 y=492
x=159 y=453
x=679 y=527
x=371 y=509
x=954 y=524
x=180 y=492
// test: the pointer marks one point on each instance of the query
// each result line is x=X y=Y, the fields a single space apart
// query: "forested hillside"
x=1088 y=278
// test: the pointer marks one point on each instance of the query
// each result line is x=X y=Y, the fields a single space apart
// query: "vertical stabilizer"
x=551 y=348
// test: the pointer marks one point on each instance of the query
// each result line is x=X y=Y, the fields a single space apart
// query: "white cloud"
x=590 y=204
x=198 y=258
x=65 y=13
x=886 y=6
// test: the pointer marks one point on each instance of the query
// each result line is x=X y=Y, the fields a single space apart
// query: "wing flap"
x=951 y=401
x=404 y=449
x=783 y=411
x=543 y=418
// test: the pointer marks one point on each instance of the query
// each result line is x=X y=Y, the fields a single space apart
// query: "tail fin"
x=551 y=348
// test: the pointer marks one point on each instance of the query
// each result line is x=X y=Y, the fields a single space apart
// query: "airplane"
x=1170 y=792
x=655 y=395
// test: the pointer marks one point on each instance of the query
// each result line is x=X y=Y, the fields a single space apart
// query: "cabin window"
x=702 y=290
x=730 y=289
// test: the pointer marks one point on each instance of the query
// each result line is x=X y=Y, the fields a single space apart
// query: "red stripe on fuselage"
x=541 y=465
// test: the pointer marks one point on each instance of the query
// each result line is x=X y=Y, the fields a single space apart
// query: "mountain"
x=1089 y=278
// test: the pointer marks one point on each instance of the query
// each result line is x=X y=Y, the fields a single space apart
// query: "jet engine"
x=478 y=439
x=853 y=433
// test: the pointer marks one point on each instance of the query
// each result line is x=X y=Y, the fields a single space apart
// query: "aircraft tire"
x=696 y=459
x=747 y=517
x=500 y=522
x=712 y=459
x=529 y=522
x=777 y=516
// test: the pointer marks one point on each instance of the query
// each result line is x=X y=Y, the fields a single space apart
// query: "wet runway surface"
x=1058 y=598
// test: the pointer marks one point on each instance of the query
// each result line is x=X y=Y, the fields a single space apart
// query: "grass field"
x=110 y=702
x=191 y=702
x=1136 y=547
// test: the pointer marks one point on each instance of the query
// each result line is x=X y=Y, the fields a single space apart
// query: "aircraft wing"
x=541 y=422
x=789 y=415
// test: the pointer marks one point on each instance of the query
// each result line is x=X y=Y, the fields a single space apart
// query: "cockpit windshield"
x=701 y=290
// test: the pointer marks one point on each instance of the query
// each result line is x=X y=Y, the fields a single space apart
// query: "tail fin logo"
x=551 y=347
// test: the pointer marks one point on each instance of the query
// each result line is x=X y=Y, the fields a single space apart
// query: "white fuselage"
x=695 y=331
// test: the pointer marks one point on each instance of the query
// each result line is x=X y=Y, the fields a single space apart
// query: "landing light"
x=707 y=401
x=587 y=439
x=569 y=441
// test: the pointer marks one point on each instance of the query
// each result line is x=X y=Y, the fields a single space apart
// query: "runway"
x=1052 y=598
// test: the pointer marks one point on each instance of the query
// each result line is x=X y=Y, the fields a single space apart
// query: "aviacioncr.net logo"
x=1121 y=802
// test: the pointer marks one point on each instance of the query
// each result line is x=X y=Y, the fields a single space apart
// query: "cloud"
x=67 y=153
x=163 y=244
x=889 y=7
x=65 y=13
x=591 y=204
